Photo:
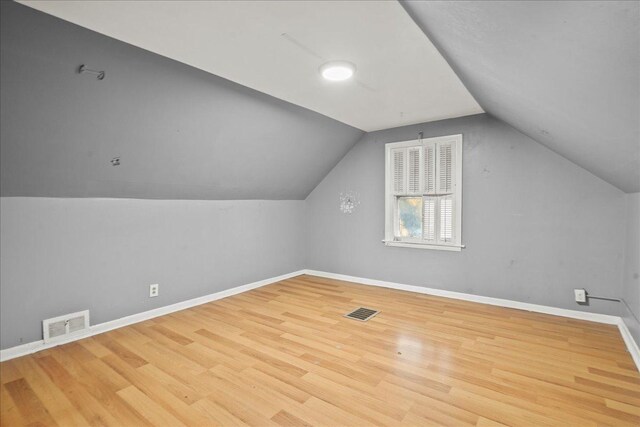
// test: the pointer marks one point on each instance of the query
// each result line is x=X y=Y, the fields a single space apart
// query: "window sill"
x=454 y=248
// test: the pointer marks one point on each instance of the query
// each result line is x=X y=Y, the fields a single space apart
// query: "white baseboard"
x=574 y=314
x=32 y=347
x=632 y=346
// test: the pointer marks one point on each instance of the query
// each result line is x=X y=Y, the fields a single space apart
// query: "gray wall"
x=532 y=220
x=535 y=224
x=631 y=278
x=181 y=133
x=532 y=223
x=58 y=256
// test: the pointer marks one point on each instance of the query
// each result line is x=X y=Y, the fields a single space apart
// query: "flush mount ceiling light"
x=337 y=71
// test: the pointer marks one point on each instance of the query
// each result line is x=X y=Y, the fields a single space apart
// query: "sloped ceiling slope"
x=277 y=47
x=180 y=133
x=566 y=73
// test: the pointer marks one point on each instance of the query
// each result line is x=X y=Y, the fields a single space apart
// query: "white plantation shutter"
x=429 y=218
x=424 y=190
x=446 y=219
x=429 y=169
x=413 y=178
x=445 y=168
x=398 y=171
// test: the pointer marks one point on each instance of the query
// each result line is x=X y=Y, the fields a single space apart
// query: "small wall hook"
x=99 y=74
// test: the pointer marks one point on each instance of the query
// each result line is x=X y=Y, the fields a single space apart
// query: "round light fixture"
x=337 y=71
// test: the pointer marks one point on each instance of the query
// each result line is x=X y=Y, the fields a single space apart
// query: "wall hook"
x=99 y=74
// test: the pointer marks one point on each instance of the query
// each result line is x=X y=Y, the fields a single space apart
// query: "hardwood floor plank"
x=9 y=372
x=153 y=412
x=286 y=419
x=101 y=382
x=173 y=396
x=216 y=414
x=28 y=403
x=125 y=354
x=624 y=407
x=83 y=401
x=10 y=414
x=338 y=415
x=48 y=392
x=284 y=355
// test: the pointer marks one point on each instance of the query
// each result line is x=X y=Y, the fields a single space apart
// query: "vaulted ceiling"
x=566 y=73
x=277 y=47
x=223 y=100
x=179 y=132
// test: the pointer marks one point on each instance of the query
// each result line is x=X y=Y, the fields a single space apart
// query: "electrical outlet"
x=154 y=290
x=581 y=295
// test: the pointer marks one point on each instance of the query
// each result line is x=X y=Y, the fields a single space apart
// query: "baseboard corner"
x=630 y=342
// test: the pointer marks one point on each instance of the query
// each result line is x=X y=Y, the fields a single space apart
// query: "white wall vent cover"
x=59 y=328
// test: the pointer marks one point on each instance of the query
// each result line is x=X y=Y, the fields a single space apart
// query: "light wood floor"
x=284 y=355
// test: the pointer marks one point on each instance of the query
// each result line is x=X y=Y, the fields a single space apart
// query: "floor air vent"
x=362 y=314
x=58 y=328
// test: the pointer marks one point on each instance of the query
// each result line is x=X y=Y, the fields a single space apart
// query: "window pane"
x=410 y=216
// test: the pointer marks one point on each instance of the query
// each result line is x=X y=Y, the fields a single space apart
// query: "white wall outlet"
x=154 y=290
x=580 y=294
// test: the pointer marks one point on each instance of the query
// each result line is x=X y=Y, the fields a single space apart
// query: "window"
x=424 y=193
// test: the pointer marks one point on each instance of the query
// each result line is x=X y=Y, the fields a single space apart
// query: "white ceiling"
x=277 y=47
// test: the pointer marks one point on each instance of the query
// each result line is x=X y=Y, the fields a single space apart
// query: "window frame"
x=391 y=199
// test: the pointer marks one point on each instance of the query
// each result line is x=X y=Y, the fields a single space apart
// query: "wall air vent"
x=61 y=327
